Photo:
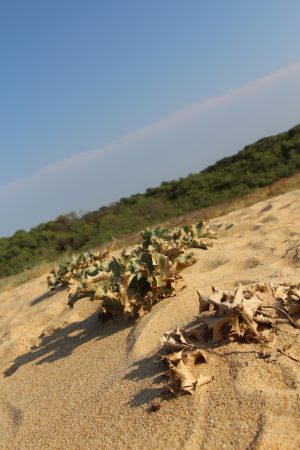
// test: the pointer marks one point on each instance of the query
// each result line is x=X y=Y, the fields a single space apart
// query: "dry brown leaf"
x=216 y=324
x=193 y=358
x=185 y=378
x=180 y=376
x=236 y=309
x=172 y=357
x=180 y=336
x=264 y=319
x=182 y=380
x=289 y=295
x=174 y=340
x=240 y=312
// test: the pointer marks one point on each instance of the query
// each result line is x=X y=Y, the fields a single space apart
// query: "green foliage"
x=73 y=267
x=187 y=236
x=133 y=282
x=255 y=166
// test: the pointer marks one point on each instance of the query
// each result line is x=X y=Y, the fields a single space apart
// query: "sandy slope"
x=74 y=383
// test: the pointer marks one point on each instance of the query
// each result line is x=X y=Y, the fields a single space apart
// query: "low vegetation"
x=256 y=166
x=71 y=268
x=133 y=282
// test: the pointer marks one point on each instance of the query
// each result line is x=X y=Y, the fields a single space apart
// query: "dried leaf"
x=172 y=341
x=194 y=358
x=172 y=357
x=181 y=364
x=289 y=295
x=238 y=310
x=182 y=374
x=242 y=313
x=216 y=324
x=180 y=336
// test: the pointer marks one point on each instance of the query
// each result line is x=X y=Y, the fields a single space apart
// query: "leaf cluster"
x=72 y=268
x=197 y=235
x=181 y=357
x=241 y=314
x=133 y=282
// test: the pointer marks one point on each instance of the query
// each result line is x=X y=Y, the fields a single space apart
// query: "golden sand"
x=74 y=383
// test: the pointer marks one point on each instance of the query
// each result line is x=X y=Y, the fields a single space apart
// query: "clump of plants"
x=71 y=268
x=248 y=314
x=133 y=282
x=197 y=235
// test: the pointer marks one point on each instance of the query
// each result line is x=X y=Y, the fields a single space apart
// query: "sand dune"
x=70 y=382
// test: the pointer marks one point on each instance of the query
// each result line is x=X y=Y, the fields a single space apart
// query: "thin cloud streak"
x=172 y=120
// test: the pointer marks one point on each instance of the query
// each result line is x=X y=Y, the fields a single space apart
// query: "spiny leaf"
x=133 y=282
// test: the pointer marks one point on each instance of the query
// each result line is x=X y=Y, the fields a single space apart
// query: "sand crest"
x=70 y=382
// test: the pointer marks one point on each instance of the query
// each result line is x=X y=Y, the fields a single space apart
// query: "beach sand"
x=69 y=381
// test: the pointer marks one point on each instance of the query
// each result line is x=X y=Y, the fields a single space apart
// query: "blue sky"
x=101 y=99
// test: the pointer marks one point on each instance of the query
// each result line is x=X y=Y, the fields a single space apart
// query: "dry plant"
x=289 y=296
x=133 y=282
x=71 y=268
x=223 y=315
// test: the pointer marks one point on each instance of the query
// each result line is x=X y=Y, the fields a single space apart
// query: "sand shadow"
x=46 y=295
x=147 y=368
x=64 y=340
x=152 y=369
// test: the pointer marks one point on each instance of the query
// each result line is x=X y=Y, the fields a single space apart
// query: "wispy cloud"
x=166 y=122
x=169 y=121
x=185 y=141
